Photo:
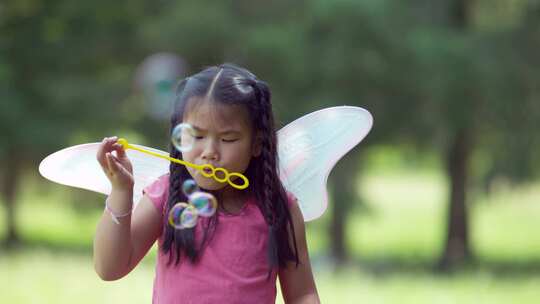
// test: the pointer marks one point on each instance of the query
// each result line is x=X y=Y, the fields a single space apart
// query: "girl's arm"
x=118 y=248
x=297 y=283
x=121 y=243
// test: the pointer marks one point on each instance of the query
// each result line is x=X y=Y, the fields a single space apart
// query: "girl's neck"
x=231 y=200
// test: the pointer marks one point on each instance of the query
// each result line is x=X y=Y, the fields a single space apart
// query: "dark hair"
x=232 y=85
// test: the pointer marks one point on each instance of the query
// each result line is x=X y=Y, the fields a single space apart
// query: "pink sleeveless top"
x=233 y=267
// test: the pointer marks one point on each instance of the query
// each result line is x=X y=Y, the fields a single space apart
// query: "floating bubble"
x=156 y=189
x=205 y=203
x=183 y=215
x=183 y=136
x=189 y=187
x=155 y=78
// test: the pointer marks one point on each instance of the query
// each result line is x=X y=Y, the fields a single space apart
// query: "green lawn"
x=40 y=276
x=394 y=241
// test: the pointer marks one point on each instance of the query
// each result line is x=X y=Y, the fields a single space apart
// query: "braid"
x=267 y=168
x=267 y=152
x=184 y=237
x=273 y=196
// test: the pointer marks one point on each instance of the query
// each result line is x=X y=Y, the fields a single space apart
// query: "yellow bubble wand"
x=207 y=170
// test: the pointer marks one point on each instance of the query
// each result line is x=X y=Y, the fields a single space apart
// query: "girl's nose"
x=210 y=151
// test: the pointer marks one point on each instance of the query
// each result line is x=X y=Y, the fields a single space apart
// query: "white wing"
x=77 y=167
x=310 y=146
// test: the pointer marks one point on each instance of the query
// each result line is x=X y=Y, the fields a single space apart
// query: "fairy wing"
x=77 y=166
x=310 y=146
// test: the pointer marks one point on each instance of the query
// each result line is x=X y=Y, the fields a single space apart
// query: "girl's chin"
x=209 y=183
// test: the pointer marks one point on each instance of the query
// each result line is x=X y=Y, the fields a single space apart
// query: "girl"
x=257 y=234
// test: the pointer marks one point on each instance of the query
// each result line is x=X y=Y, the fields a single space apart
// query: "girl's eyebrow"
x=226 y=131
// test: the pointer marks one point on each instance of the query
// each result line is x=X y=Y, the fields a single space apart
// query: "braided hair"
x=233 y=85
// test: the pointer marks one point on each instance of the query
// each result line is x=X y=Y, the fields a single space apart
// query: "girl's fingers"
x=119 y=150
x=105 y=147
x=109 y=142
x=113 y=166
x=110 y=163
x=116 y=165
x=101 y=154
x=115 y=159
x=123 y=171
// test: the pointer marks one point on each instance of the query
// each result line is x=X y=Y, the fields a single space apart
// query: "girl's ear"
x=257 y=145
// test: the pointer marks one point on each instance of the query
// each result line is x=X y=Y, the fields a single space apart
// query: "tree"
x=62 y=69
x=486 y=92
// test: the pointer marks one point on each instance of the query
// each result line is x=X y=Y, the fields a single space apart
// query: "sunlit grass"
x=46 y=277
x=42 y=276
x=404 y=216
x=506 y=223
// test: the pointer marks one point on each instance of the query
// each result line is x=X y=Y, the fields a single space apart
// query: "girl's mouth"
x=207 y=170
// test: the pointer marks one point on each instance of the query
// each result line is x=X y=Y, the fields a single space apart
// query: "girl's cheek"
x=188 y=156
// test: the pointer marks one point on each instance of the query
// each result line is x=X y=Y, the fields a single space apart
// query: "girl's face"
x=223 y=138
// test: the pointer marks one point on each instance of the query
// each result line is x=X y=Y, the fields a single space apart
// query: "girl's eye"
x=229 y=140
x=198 y=137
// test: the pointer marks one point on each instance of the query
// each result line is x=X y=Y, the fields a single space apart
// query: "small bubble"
x=183 y=215
x=183 y=137
x=189 y=187
x=205 y=203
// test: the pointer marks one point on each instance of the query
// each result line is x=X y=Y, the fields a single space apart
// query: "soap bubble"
x=183 y=136
x=156 y=188
x=183 y=215
x=156 y=78
x=189 y=187
x=205 y=203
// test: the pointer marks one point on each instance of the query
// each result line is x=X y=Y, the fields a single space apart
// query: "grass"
x=41 y=276
x=393 y=240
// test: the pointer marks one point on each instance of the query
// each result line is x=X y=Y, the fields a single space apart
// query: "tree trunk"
x=9 y=185
x=344 y=196
x=460 y=14
x=457 y=248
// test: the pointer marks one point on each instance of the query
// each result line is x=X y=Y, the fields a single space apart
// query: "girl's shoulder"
x=158 y=192
x=291 y=199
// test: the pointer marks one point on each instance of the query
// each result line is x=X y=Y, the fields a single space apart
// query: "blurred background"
x=439 y=204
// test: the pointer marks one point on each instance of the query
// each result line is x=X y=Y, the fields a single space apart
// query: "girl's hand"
x=118 y=169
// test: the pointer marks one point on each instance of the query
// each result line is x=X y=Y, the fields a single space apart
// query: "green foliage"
x=65 y=66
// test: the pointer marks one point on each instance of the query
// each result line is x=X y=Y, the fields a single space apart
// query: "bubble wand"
x=207 y=170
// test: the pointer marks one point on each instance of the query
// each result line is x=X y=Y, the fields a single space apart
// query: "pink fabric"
x=232 y=269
